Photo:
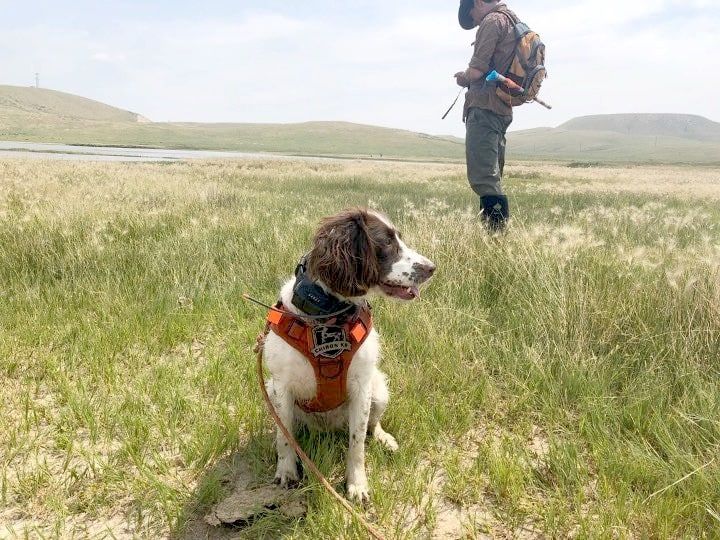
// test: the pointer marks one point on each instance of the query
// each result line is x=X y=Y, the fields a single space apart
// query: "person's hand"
x=461 y=79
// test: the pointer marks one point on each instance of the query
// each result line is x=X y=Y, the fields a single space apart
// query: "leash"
x=453 y=104
x=291 y=439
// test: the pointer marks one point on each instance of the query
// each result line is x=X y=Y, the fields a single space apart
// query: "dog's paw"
x=388 y=441
x=384 y=438
x=286 y=474
x=359 y=492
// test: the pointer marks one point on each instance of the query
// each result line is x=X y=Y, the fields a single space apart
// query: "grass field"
x=562 y=381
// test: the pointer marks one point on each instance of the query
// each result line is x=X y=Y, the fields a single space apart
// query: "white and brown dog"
x=322 y=351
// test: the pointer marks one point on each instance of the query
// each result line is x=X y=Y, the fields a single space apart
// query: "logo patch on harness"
x=329 y=341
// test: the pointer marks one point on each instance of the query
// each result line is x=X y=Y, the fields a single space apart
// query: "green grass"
x=558 y=381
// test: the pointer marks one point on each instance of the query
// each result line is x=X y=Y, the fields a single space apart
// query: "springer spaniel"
x=324 y=309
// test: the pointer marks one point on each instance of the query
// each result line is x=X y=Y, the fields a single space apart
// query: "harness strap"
x=329 y=348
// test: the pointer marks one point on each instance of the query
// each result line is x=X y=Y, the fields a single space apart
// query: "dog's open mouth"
x=403 y=293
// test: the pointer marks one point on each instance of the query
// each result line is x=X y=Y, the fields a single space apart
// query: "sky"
x=380 y=62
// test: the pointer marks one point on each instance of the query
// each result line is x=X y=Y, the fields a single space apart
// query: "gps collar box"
x=311 y=298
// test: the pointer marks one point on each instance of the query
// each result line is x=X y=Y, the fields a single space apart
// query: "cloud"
x=109 y=57
x=256 y=28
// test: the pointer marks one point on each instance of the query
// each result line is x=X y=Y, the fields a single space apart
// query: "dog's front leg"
x=358 y=415
x=287 y=472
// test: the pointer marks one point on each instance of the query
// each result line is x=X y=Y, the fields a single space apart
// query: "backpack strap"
x=513 y=18
x=514 y=21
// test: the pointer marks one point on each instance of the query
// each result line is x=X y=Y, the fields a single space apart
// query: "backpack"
x=526 y=66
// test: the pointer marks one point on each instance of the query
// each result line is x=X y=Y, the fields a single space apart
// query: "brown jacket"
x=494 y=49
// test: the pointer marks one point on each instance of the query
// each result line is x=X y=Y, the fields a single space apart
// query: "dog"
x=321 y=349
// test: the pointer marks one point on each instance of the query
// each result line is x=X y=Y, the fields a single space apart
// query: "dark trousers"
x=485 y=150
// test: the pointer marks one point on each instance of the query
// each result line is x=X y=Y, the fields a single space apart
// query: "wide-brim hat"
x=466 y=21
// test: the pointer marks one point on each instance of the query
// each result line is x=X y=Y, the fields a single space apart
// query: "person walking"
x=487 y=117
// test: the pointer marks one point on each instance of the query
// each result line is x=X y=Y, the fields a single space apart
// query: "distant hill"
x=39 y=115
x=662 y=138
x=684 y=126
x=50 y=106
x=591 y=146
x=30 y=114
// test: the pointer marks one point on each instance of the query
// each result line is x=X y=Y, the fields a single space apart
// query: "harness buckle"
x=274 y=316
x=358 y=332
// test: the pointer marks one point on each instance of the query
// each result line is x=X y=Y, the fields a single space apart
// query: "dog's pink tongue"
x=414 y=291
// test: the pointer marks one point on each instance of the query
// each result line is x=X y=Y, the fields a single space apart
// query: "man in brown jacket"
x=487 y=117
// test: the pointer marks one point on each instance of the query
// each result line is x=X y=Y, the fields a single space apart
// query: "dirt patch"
x=249 y=497
x=252 y=498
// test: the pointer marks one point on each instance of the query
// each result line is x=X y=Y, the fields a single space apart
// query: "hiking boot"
x=495 y=212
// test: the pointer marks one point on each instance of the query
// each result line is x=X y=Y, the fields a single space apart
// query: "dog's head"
x=359 y=251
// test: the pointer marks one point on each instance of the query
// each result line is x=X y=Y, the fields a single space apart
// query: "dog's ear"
x=344 y=256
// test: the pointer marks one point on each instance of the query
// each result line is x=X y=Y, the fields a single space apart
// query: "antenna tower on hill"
x=37 y=80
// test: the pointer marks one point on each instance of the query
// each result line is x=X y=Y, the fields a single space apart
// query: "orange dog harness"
x=329 y=348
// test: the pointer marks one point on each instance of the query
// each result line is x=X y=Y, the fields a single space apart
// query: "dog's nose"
x=426 y=270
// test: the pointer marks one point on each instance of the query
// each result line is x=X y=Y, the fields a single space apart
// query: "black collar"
x=311 y=298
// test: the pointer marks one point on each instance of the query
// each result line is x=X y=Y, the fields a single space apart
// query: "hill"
x=682 y=126
x=30 y=114
x=50 y=106
x=39 y=115
x=661 y=138
x=607 y=146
